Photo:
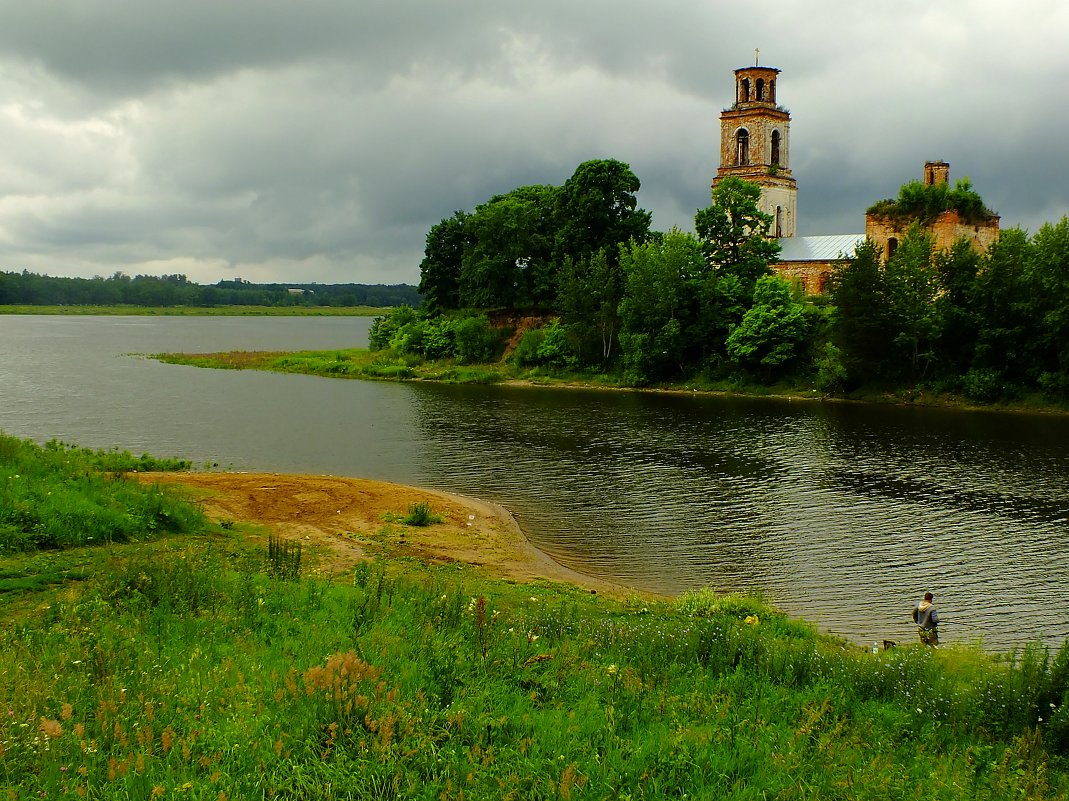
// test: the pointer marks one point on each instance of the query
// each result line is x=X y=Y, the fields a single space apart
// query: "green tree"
x=861 y=326
x=443 y=257
x=957 y=269
x=597 y=211
x=1048 y=270
x=588 y=301
x=1003 y=302
x=774 y=331
x=655 y=308
x=912 y=282
x=734 y=232
x=508 y=262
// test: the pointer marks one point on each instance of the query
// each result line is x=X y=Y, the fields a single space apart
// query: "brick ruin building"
x=887 y=229
x=755 y=146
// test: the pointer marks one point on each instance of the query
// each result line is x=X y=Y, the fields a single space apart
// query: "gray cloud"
x=320 y=141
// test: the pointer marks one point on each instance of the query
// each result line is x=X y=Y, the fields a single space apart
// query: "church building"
x=755 y=146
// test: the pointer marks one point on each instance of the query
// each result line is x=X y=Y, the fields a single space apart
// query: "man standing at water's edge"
x=926 y=617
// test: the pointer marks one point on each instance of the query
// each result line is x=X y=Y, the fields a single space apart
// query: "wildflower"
x=612 y=669
x=752 y=620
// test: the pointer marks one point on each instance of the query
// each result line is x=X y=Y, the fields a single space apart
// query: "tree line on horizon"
x=32 y=289
x=656 y=307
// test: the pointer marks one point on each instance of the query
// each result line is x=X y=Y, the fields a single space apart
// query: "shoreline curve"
x=348 y=519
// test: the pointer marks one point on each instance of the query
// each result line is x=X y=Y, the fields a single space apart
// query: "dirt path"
x=338 y=517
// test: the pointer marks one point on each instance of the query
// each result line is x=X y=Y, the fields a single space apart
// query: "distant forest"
x=31 y=289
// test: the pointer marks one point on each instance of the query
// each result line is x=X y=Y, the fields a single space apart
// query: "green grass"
x=389 y=366
x=202 y=311
x=189 y=666
x=61 y=496
x=351 y=363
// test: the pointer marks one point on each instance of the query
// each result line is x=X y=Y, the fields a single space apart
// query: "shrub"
x=982 y=384
x=831 y=373
x=420 y=514
x=526 y=352
x=476 y=340
x=383 y=329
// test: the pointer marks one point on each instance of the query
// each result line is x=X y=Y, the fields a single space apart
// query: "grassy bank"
x=206 y=663
x=202 y=311
x=388 y=366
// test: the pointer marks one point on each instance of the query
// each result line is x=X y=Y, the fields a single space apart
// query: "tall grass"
x=58 y=496
x=193 y=671
x=189 y=666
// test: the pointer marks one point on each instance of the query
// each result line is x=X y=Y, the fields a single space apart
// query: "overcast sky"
x=319 y=140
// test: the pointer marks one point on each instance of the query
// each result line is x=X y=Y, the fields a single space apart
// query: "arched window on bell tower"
x=760 y=90
x=775 y=160
x=744 y=90
x=742 y=147
x=772 y=91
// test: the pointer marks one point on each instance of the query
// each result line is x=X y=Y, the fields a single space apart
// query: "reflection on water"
x=845 y=514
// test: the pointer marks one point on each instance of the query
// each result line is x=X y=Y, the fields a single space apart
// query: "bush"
x=831 y=373
x=383 y=329
x=982 y=384
x=476 y=340
x=526 y=352
x=546 y=346
x=420 y=514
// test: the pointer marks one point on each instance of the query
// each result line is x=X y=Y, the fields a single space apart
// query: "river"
x=843 y=513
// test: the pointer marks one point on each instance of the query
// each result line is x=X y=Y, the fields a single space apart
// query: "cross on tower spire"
x=756 y=55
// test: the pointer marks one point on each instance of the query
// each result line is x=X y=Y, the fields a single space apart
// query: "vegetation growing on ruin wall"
x=925 y=202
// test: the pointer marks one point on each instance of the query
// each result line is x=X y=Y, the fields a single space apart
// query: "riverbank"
x=345 y=521
x=252 y=651
x=363 y=363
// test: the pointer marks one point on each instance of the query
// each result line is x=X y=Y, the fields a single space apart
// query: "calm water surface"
x=845 y=514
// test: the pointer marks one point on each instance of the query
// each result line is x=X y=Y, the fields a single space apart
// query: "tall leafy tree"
x=912 y=283
x=862 y=326
x=655 y=309
x=1003 y=301
x=443 y=258
x=734 y=232
x=774 y=331
x=1048 y=270
x=508 y=262
x=588 y=302
x=597 y=211
x=957 y=269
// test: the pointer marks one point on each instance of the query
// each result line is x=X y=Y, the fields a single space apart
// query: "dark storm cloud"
x=320 y=140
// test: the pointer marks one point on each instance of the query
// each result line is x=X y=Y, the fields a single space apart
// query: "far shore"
x=364 y=364
x=198 y=311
